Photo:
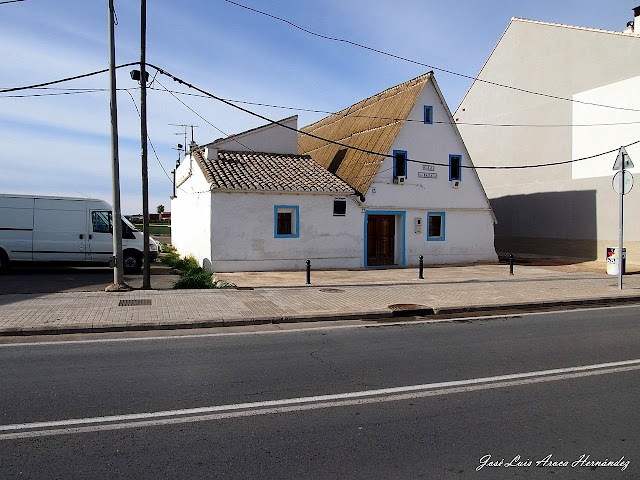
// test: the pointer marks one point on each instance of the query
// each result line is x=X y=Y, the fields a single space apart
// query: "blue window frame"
x=436 y=226
x=286 y=221
x=428 y=114
x=399 y=163
x=455 y=167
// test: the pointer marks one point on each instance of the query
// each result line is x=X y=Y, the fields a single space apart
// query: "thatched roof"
x=371 y=124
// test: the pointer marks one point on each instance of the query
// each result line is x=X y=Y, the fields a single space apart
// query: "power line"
x=77 y=91
x=441 y=122
x=200 y=116
x=10 y=1
x=415 y=62
x=67 y=79
x=363 y=150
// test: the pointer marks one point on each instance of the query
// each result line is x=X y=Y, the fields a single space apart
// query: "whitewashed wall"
x=271 y=138
x=191 y=213
x=466 y=208
x=243 y=233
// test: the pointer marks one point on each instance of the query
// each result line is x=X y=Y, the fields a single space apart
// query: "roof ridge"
x=576 y=27
x=364 y=101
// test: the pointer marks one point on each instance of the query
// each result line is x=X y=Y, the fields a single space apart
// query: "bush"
x=192 y=275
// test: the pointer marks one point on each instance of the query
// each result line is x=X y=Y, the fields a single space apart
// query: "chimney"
x=634 y=25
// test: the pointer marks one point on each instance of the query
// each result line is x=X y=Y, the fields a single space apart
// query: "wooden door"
x=380 y=239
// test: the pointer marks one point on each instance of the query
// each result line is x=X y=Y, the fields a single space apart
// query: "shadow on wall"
x=554 y=224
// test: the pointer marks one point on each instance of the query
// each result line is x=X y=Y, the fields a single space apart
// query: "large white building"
x=271 y=198
x=590 y=79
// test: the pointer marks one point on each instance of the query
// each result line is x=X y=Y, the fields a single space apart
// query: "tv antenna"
x=184 y=133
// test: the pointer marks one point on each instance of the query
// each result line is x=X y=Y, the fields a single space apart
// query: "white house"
x=591 y=79
x=313 y=198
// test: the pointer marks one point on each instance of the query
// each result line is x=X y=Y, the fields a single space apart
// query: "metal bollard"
x=308 y=272
x=420 y=275
x=511 y=264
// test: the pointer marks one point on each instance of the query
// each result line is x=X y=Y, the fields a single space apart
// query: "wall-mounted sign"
x=427 y=175
x=431 y=168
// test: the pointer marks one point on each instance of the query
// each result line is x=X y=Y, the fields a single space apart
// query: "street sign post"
x=622 y=185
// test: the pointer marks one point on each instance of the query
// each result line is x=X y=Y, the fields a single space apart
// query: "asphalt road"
x=263 y=411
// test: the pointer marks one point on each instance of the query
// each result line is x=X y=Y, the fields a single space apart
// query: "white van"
x=36 y=228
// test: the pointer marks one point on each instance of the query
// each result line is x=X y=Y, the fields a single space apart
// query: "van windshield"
x=130 y=225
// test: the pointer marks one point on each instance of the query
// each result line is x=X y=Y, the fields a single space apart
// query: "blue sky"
x=60 y=145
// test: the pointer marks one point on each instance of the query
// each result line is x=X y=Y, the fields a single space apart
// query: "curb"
x=434 y=312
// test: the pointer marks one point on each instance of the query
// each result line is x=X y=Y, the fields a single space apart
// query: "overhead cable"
x=363 y=150
x=432 y=67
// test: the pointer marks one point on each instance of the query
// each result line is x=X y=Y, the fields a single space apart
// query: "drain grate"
x=331 y=290
x=134 y=303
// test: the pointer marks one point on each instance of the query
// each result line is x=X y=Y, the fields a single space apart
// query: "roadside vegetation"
x=192 y=275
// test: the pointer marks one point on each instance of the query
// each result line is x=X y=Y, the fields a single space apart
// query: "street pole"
x=621 y=225
x=146 y=274
x=118 y=270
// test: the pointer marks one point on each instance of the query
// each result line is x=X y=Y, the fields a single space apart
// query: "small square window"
x=428 y=114
x=435 y=226
x=339 y=207
x=286 y=221
x=455 y=170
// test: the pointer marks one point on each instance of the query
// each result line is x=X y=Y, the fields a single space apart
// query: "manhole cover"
x=134 y=303
x=331 y=290
x=406 y=306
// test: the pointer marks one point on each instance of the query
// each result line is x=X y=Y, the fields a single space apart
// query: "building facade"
x=590 y=106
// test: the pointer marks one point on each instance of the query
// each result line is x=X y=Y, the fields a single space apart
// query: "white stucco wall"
x=190 y=213
x=243 y=236
x=271 y=138
x=466 y=208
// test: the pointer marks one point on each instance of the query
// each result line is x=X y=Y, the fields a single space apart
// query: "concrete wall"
x=574 y=63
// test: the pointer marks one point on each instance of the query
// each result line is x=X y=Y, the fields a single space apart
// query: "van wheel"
x=4 y=262
x=132 y=262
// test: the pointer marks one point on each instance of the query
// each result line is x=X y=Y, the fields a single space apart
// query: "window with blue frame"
x=428 y=114
x=286 y=220
x=455 y=167
x=435 y=226
x=399 y=163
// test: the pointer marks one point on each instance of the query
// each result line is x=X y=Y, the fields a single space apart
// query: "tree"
x=160 y=208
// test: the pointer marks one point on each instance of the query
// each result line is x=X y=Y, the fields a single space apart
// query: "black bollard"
x=420 y=275
x=308 y=272
x=511 y=264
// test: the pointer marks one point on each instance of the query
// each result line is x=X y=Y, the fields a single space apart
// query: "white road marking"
x=218 y=412
x=361 y=324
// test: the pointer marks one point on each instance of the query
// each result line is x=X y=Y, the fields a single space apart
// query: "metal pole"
x=308 y=272
x=146 y=273
x=118 y=271
x=621 y=228
x=511 y=264
x=420 y=274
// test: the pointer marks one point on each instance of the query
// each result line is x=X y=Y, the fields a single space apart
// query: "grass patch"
x=192 y=275
x=156 y=229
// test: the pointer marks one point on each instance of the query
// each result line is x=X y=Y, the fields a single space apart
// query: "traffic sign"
x=624 y=187
x=622 y=154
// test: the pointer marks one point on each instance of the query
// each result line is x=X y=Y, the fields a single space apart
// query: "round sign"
x=628 y=182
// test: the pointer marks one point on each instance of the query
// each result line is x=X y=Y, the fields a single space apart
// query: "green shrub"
x=192 y=275
x=195 y=278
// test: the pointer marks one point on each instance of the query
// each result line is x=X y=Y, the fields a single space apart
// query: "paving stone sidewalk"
x=334 y=295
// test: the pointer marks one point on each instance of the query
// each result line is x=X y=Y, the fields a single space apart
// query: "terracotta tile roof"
x=371 y=124
x=268 y=172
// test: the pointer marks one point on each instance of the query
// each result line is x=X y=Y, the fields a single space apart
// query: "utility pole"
x=118 y=270
x=146 y=273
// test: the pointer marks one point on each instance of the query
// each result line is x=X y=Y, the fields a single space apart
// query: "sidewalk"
x=275 y=297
